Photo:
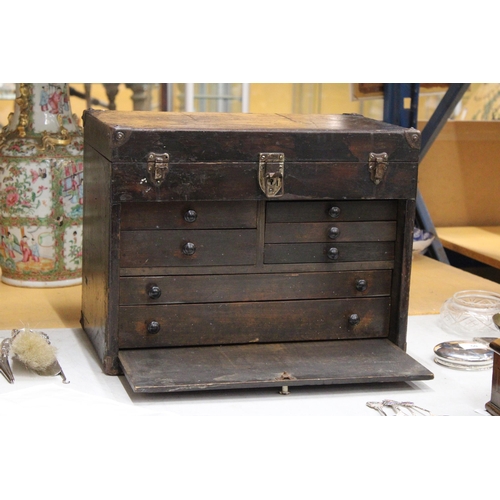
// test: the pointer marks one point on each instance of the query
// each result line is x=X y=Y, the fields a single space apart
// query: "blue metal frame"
x=396 y=113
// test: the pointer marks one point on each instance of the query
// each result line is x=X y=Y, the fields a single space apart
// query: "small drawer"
x=245 y=322
x=297 y=253
x=253 y=287
x=317 y=211
x=188 y=248
x=189 y=215
x=286 y=232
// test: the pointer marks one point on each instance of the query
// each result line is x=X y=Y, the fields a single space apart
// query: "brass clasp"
x=377 y=165
x=271 y=174
x=157 y=167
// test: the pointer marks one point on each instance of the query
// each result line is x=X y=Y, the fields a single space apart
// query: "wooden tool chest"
x=238 y=250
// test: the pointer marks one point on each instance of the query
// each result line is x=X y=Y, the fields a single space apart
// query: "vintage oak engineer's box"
x=238 y=250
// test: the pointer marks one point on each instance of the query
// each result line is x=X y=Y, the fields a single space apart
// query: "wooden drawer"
x=296 y=253
x=316 y=211
x=285 y=232
x=243 y=322
x=187 y=248
x=253 y=287
x=189 y=215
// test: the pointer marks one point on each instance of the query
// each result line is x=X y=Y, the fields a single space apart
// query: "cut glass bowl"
x=469 y=314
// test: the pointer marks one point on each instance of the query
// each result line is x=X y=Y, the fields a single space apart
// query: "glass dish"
x=469 y=314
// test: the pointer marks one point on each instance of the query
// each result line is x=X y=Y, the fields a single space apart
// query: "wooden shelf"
x=40 y=307
x=481 y=243
x=432 y=282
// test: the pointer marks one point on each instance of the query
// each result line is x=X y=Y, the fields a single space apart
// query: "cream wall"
x=335 y=98
x=264 y=98
x=279 y=97
x=271 y=97
x=459 y=178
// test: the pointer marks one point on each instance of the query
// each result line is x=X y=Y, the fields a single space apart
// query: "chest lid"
x=235 y=137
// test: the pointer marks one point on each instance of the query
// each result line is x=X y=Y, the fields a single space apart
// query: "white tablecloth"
x=95 y=436
x=451 y=392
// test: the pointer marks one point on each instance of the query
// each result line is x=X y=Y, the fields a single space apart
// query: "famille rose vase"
x=41 y=189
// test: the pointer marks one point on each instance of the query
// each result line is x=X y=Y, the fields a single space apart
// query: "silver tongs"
x=4 y=360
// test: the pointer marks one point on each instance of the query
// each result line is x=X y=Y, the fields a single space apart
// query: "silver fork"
x=412 y=407
x=395 y=406
x=376 y=406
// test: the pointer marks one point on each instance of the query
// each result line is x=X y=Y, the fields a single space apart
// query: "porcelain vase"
x=41 y=189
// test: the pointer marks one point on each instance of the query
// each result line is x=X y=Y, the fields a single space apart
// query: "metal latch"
x=157 y=167
x=271 y=173
x=377 y=164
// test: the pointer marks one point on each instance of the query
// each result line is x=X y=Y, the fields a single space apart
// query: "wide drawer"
x=189 y=215
x=300 y=232
x=248 y=322
x=253 y=287
x=188 y=248
x=317 y=211
x=295 y=253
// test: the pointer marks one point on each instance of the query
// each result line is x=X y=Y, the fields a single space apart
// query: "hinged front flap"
x=259 y=365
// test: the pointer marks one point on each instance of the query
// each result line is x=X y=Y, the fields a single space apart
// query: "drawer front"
x=188 y=248
x=297 y=253
x=318 y=211
x=286 y=232
x=253 y=287
x=189 y=215
x=243 y=322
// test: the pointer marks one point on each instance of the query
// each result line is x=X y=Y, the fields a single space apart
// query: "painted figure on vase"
x=44 y=99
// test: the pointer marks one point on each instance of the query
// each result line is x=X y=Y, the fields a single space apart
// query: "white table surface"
x=452 y=392
x=95 y=435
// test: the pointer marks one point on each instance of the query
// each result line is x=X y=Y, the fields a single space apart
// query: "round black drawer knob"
x=333 y=253
x=334 y=212
x=333 y=233
x=153 y=327
x=189 y=249
x=354 y=319
x=190 y=216
x=154 y=292
x=361 y=285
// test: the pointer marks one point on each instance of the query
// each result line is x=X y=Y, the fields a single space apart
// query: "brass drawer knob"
x=154 y=292
x=354 y=319
x=333 y=232
x=334 y=212
x=361 y=285
x=333 y=253
x=153 y=327
x=189 y=248
x=190 y=216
